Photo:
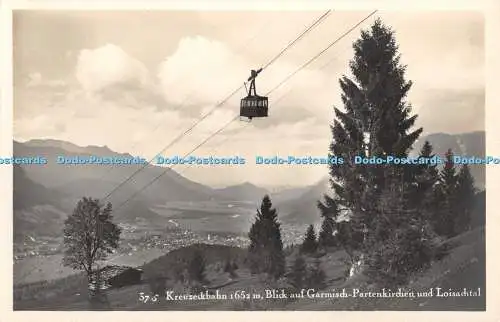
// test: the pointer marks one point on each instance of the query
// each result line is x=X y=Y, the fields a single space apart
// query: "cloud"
x=458 y=107
x=109 y=65
x=457 y=70
x=204 y=72
x=113 y=75
x=36 y=80
x=304 y=138
x=137 y=97
x=91 y=121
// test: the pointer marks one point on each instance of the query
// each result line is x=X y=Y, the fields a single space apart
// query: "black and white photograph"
x=251 y=160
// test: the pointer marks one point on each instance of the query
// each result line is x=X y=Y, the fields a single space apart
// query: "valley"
x=169 y=218
x=181 y=224
x=463 y=266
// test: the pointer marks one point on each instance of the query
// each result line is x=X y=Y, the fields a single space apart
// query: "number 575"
x=145 y=298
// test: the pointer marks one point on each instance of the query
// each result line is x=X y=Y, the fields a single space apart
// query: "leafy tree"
x=266 y=247
x=376 y=121
x=197 y=266
x=298 y=275
x=98 y=297
x=465 y=200
x=89 y=235
x=310 y=244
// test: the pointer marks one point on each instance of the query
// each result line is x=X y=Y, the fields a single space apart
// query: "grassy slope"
x=50 y=267
x=463 y=267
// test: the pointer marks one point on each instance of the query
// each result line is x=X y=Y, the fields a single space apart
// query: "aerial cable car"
x=253 y=105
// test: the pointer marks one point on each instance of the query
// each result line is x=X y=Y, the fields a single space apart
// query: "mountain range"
x=98 y=180
x=44 y=195
x=303 y=210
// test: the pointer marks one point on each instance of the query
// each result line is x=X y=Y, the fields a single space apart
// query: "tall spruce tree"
x=310 y=244
x=448 y=174
x=427 y=174
x=266 y=247
x=391 y=208
x=376 y=121
x=401 y=240
x=465 y=199
x=444 y=218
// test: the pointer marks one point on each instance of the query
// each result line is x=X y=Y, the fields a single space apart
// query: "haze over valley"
x=172 y=212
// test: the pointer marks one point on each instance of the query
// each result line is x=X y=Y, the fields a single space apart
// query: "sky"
x=133 y=81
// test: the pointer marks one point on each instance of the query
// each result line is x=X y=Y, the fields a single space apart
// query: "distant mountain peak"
x=247 y=184
x=244 y=191
x=105 y=147
x=55 y=143
x=103 y=150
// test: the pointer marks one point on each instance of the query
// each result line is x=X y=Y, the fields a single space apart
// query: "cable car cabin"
x=253 y=105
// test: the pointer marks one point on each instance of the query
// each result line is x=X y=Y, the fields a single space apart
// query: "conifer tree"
x=426 y=176
x=465 y=197
x=401 y=240
x=448 y=175
x=310 y=244
x=376 y=121
x=298 y=275
x=391 y=208
x=444 y=217
x=230 y=267
x=316 y=277
x=326 y=237
x=266 y=253
x=196 y=268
